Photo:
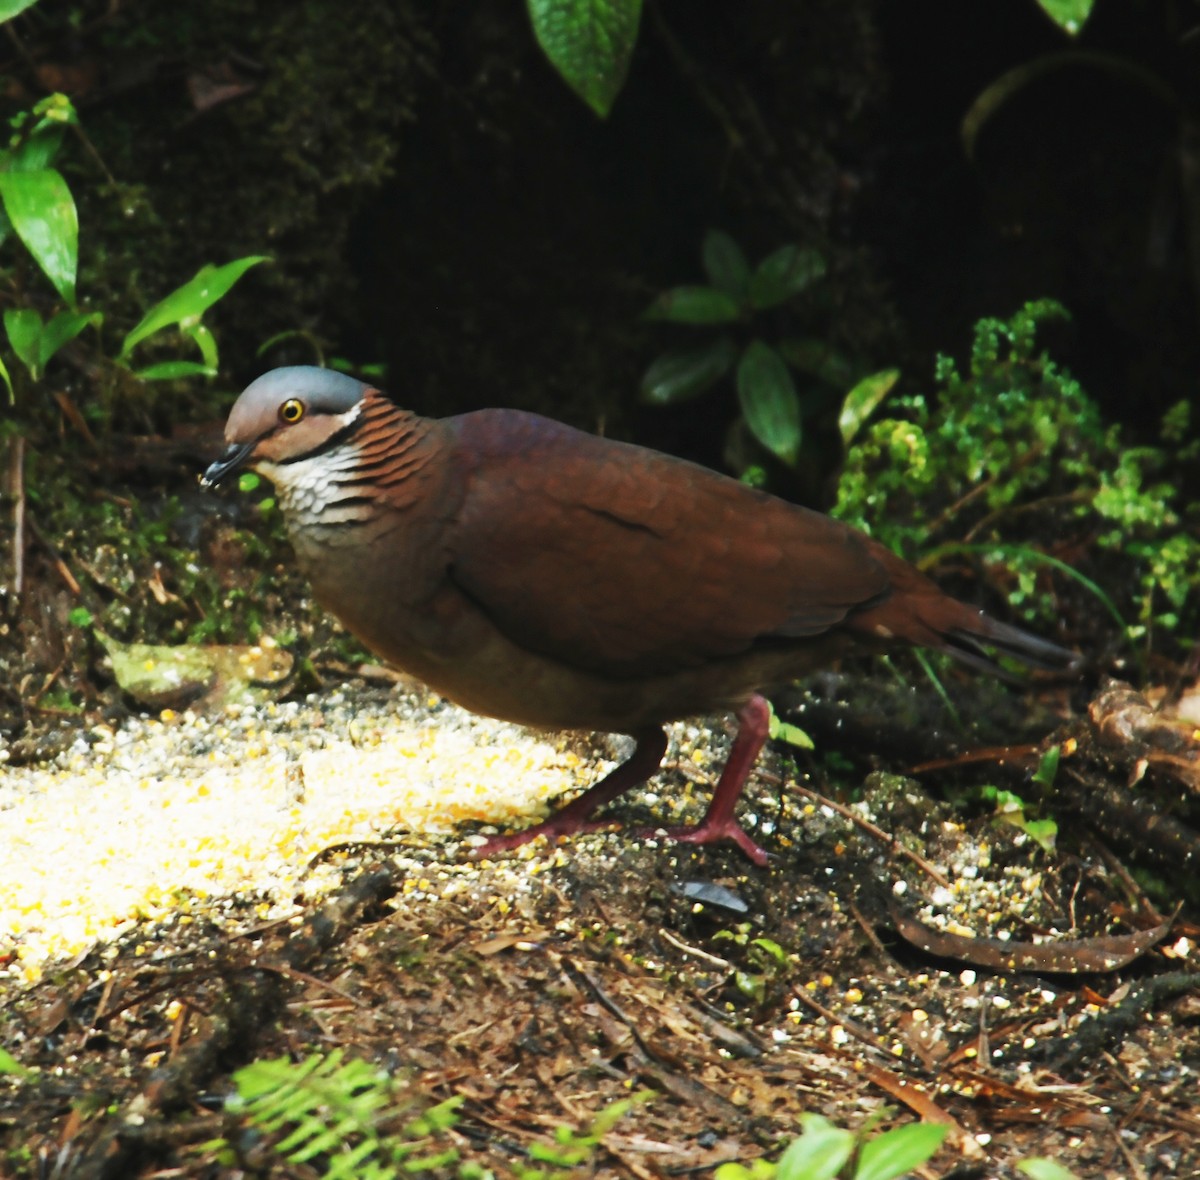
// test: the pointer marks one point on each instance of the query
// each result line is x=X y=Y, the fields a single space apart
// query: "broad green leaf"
x=769 y=401
x=726 y=265
x=679 y=375
x=11 y=8
x=819 y=358
x=818 y=1154
x=897 y=1152
x=786 y=272
x=24 y=328
x=172 y=370
x=62 y=329
x=12 y=397
x=1069 y=15
x=37 y=153
x=1040 y=1168
x=185 y=305
x=862 y=401
x=590 y=43
x=694 y=305
x=42 y=211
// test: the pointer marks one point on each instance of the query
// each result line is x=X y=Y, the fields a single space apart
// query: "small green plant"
x=764 y=962
x=573 y=1148
x=737 y=301
x=1014 y=445
x=337 y=1111
x=38 y=207
x=1012 y=809
x=825 y=1152
x=184 y=308
x=354 y=1119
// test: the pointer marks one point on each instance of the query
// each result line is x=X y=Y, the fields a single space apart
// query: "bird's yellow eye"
x=291 y=411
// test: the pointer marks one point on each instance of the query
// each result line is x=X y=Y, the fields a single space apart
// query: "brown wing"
x=628 y=562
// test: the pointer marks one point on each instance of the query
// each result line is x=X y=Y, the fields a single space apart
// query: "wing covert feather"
x=629 y=562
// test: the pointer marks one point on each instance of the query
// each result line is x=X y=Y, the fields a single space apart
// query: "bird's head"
x=286 y=416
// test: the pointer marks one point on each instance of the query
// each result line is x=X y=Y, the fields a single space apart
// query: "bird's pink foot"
x=575 y=817
x=710 y=833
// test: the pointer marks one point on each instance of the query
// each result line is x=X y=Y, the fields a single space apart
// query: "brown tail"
x=917 y=611
x=968 y=644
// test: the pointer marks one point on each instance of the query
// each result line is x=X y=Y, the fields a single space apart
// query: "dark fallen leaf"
x=1067 y=956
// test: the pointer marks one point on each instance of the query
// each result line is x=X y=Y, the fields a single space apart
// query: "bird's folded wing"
x=628 y=562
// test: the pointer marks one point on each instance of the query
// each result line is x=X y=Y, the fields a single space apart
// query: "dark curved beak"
x=233 y=459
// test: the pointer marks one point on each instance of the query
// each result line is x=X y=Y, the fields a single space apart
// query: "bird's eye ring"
x=291 y=411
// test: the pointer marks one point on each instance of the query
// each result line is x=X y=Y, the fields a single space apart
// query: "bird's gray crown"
x=325 y=390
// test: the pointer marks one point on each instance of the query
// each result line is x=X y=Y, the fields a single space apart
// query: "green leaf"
x=732 y=1171
x=1069 y=15
x=10 y=1065
x=726 y=265
x=786 y=272
x=1048 y=767
x=694 y=305
x=173 y=370
x=24 y=328
x=771 y=947
x=185 y=305
x=11 y=8
x=818 y=358
x=206 y=342
x=42 y=211
x=1040 y=1168
x=80 y=616
x=686 y=372
x=862 y=401
x=785 y=731
x=818 y=1154
x=590 y=43
x=62 y=329
x=37 y=153
x=897 y=1152
x=769 y=401
x=1043 y=832
x=12 y=397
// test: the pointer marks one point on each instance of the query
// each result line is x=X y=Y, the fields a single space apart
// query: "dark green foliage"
x=1013 y=454
x=757 y=347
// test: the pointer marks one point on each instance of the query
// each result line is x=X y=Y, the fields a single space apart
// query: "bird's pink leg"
x=754 y=725
x=575 y=816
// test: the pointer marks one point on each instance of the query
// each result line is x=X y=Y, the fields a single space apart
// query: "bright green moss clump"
x=1011 y=464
